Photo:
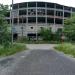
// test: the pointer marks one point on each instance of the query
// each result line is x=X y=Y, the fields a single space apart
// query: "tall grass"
x=12 y=49
x=67 y=48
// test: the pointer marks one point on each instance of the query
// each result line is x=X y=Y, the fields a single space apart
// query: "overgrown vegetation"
x=69 y=28
x=4 y=32
x=12 y=49
x=67 y=48
x=46 y=34
x=6 y=48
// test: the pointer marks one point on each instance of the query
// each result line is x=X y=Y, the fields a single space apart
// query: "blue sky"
x=63 y=2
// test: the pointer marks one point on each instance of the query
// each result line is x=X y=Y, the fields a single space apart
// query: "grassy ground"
x=67 y=48
x=12 y=49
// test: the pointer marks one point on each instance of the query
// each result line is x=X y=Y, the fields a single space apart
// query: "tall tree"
x=4 y=33
x=69 y=28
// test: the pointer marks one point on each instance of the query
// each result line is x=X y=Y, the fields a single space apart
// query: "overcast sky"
x=63 y=2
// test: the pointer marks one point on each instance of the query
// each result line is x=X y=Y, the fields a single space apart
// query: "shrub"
x=12 y=49
x=67 y=48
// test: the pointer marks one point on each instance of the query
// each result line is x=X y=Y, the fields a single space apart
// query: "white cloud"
x=63 y=2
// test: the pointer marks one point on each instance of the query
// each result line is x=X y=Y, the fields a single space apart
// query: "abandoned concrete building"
x=30 y=17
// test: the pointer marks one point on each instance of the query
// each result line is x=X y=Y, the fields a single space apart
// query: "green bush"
x=22 y=40
x=67 y=48
x=12 y=49
x=46 y=34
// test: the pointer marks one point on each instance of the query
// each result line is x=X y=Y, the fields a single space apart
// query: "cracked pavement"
x=38 y=62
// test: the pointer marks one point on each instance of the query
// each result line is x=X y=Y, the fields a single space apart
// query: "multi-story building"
x=30 y=17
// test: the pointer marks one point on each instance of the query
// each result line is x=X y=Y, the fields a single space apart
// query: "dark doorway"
x=15 y=36
x=32 y=36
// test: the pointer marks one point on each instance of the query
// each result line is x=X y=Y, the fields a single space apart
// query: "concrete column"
x=26 y=20
x=46 y=14
x=63 y=15
x=36 y=23
x=18 y=18
x=54 y=26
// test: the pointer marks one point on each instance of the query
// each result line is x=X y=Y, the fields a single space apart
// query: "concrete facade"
x=30 y=17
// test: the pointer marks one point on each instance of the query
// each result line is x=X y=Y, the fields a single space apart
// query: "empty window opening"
x=31 y=19
x=59 y=6
x=7 y=14
x=50 y=20
x=67 y=8
x=15 y=20
x=22 y=12
x=58 y=21
x=31 y=4
x=22 y=20
x=22 y=5
x=50 y=5
x=15 y=36
x=59 y=13
x=15 y=6
x=40 y=4
x=41 y=11
x=67 y=14
x=31 y=11
x=73 y=9
x=50 y=12
x=41 y=19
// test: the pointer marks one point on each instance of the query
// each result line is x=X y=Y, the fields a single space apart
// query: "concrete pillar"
x=36 y=23
x=63 y=15
x=54 y=26
x=46 y=15
x=27 y=20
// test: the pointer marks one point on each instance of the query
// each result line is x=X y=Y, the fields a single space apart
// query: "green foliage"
x=12 y=49
x=69 y=28
x=4 y=33
x=46 y=34
x=23 y=40
x=57 y=35
x=67 y=48
x=3 y=9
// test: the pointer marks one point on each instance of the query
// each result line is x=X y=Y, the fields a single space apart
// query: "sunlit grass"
x=12 y=49
x=67 y=48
